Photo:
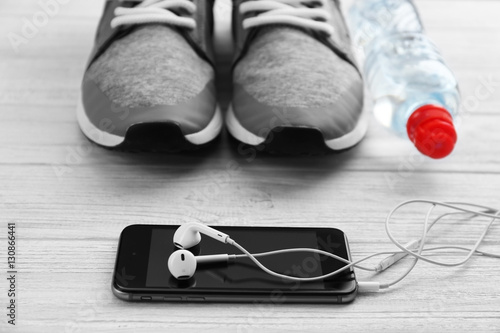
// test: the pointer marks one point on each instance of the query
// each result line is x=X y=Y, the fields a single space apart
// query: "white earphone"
x=182 y=263
x=188 y=235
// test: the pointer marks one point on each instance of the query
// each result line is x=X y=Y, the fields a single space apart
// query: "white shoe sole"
x=111 y=140
x=348 y=140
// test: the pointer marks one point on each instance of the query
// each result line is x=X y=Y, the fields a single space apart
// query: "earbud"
x=188 y=235
x=182 y=263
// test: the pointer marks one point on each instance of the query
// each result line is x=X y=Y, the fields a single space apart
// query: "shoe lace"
x=156 y=11
x=310 y=14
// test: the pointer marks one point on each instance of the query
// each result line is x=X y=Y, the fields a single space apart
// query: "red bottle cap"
x=431 y=129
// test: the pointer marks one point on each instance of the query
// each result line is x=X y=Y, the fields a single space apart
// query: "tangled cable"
x=415 y=248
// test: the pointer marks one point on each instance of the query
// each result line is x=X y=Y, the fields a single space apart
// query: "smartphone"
x=141 y=272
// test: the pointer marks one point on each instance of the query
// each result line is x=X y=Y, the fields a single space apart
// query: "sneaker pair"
x=150 y=80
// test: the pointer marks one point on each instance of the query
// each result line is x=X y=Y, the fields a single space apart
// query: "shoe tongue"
x=202 y=34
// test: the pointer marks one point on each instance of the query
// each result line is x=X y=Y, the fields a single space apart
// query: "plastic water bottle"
x=415 y=93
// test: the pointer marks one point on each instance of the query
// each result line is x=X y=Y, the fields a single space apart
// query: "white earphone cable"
x=417 y=254
x=452 y=205
x=317 y=251
x=293 y=278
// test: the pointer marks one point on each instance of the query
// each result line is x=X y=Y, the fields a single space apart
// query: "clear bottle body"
x=403 y=68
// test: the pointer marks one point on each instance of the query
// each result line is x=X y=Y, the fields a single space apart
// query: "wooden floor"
x=70 y=200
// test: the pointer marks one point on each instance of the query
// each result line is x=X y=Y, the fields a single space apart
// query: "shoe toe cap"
x=100 y=117
x=333 y=120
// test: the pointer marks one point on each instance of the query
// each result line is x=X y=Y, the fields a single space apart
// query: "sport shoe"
x=150 y=81
x=296 y=87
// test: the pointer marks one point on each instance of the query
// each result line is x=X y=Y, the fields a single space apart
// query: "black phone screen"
x=144 y=251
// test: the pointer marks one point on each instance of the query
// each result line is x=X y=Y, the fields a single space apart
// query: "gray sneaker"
x=150 y=80
x=296 y=87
